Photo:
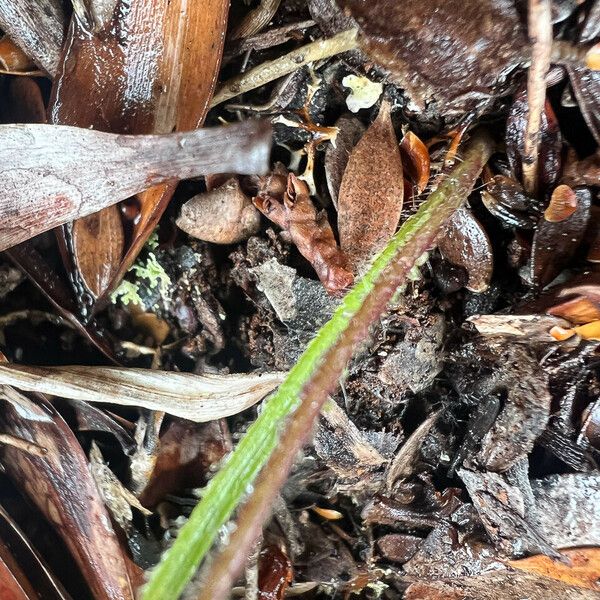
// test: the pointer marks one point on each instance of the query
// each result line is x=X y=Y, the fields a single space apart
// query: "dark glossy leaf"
x=465 y=243
x=550 y=141
x=586 y=85
x=554 y=244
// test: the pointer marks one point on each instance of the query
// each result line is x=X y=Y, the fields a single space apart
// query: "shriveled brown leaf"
x=449 y=51
x=371 y=193
x=583 y=569
x=225 y=215
x=416 y=161
x=123 y=165
x=465 y=243
x=38 y=27
x=554 y=244
x=60 y=484
x=309 y=230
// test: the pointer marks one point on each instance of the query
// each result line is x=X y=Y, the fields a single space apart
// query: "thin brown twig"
x=540 y=34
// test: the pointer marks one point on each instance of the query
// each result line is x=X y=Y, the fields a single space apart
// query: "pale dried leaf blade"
x=372 y=190
x=194 y=397
x=53 y=174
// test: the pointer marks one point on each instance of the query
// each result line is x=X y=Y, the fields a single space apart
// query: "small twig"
x=256 y=19
x=540 y=34
x=302 y=394
x=274 y=69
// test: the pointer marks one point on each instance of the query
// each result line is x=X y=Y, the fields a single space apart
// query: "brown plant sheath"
x=257 y=509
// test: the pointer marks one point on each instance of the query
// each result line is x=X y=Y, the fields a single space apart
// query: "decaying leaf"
x=416 y=161
x=506 y=200
x=465 y=243
x=350 y=130
x=225 y=215
x=60 y=484
x=371 y=192
x=48 y=179
x=194 y=397
x=555 y=243
x=586 y=85
x=582 y=172
x=449 y=51
x=308 y=229
x=525 y=328
x=583 y=569
x=38 y=27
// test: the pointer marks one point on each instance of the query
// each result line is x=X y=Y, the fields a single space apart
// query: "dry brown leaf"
x=123 y=165
x=224 y=215
x=579 y=310
x=465 y=243
x=416 y=161
x=583 y=570
x=12 y=58
x=372 y=191
x=309 y=230
x=563 y=203
x=194 y=397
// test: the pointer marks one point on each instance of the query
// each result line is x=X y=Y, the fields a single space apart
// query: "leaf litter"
x=456 y=453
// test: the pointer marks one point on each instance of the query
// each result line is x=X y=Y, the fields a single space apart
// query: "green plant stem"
x=317 y=366
x=274 y=69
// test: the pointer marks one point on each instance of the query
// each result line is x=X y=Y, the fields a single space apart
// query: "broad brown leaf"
x=372 y=192
x=582 y=569
x=59 y=483
x=149 y=67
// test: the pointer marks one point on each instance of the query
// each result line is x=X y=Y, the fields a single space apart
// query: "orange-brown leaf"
x=563 y=204
x=372 y=192
x=583 y=570
x=416 y=160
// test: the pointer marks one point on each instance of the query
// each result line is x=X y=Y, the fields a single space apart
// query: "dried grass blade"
x=51 y=175
x=197 y=398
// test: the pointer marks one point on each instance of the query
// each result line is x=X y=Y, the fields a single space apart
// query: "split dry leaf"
x=350 y=130
x=194 y=397
x=53 y=174
x=309 y=230
x=61 y=486
x=224 y=215
x=416 y=160
x=582 y=570
x=465 y=243
x=549 y=159
x=450 y=51
x=133 y=67
x=563 y=203
x=372 y=191
x=555 y=243
x=38 y=27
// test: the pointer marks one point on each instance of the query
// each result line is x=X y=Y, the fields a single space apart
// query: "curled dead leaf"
x=465 y=243
x=224 y=215
x=194 y=397
x=294 y=212
x=415 y=160
x=371 y=193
